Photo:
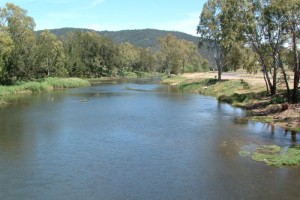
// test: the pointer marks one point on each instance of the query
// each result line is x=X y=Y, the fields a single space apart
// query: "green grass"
x=59 y=83
x=43 y=85
x=174 y=80
x=225 y=90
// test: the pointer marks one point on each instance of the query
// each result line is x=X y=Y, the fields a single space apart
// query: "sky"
x=113 y=15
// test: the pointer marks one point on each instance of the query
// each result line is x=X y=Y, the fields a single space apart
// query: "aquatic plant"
x=274 y=155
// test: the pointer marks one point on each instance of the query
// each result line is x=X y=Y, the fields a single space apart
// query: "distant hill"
x=141 y=38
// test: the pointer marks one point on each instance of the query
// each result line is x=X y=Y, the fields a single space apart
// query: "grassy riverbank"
x=42 y=85
x=243 y=92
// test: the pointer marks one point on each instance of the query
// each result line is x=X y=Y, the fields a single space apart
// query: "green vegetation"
x=174 y=80
x=274 y=155
x=59 y=83
x=43 y=85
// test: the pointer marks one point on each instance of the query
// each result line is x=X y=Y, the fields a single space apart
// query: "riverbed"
x=136 y=140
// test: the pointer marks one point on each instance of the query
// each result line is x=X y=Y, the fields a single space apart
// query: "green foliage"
x=217 y=25
x=50 y=56
x=176 y=54
x=16 y=26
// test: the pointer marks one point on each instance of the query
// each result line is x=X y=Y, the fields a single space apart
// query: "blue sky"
x=178 y=15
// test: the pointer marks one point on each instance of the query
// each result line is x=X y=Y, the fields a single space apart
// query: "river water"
x=135 y=140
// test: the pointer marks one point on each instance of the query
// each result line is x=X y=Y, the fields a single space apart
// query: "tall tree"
x=218 y=29
x=292 y=16
x=170 y=51
x=50 y=55
x=6 y=47
x=129 y=56
x=20 y=29
x=147 y=60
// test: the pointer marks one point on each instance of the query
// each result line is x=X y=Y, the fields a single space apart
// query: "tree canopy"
x=267 y=30
x=25 y=55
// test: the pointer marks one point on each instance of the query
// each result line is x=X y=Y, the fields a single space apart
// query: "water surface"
x=135 y=140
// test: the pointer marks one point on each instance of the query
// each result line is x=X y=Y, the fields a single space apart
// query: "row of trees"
x=257 y=35
x=25 y=55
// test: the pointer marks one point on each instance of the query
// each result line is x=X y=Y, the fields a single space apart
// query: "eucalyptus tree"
x=129 y=56
x=147 y=60
x=109 y=53
x=89 y=54
x=219 y=31
x=73 y=50
x=291 y=10
x=50 y=56
x=189 y=55
x=170 y=53
x=6 y=47
x=265 y=27
x=20 y=29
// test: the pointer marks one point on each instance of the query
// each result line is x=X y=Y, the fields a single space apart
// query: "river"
x=135 y=140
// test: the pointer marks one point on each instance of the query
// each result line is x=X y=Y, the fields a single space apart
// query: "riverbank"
x=52 y=83
x=42 y=85
x=245 y=91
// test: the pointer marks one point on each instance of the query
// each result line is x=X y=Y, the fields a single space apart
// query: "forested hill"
x=145 y=37
x=141 y=38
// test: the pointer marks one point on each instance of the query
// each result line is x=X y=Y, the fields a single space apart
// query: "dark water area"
x=136 y=140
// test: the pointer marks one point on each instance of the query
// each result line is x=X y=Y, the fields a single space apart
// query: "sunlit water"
x=137 y=140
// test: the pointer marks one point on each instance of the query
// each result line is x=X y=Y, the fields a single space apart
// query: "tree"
x=292 y=16
x=218 y=29
x=147 y=60
x=266 y=28
x=91 y=55
x=20 y=28
x=169 y=51
x=50 y=56
x=6 y=47
x=129 y=56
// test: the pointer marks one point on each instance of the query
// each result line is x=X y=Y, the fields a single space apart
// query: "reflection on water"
x=135 y=140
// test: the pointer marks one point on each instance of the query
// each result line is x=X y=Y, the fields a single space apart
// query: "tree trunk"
x=296 y=67
x=285 y=77
x=168 y=69
x=266 y=82
x=267 y=77
x=274 y=77
x=219 y=73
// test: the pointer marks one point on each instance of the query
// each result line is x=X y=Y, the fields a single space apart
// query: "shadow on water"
x=270 y=130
